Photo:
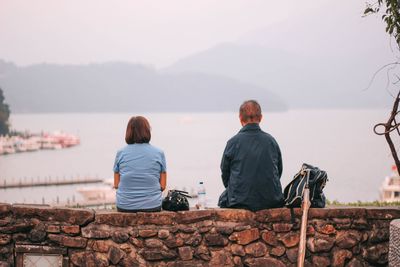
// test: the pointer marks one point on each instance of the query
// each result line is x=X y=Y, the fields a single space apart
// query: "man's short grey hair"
x=250 y=111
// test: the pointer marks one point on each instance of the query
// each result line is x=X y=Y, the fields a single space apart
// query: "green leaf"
x=368 y=10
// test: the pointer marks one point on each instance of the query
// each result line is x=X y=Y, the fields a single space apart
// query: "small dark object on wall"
x=176 y=200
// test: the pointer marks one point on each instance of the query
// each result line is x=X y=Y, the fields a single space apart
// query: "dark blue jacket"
x=251 y=170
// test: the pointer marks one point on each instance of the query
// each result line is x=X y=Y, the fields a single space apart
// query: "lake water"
x=338 y=141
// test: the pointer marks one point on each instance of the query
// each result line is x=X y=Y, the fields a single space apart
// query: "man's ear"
x=241 y=120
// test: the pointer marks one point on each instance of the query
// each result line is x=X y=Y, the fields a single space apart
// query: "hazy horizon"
x=315 y=54
x=313 y=59
x=159 y=33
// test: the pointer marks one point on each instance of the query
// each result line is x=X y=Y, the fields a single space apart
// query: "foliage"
x=4 y=115
x=391 y=16
x=363 y=204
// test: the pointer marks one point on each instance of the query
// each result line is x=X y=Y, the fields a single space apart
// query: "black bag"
x=176 y=200
x=316 y=180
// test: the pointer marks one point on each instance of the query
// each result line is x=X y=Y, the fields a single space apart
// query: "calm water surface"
x=338 y=141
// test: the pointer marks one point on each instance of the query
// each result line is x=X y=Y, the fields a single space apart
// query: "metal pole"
x=303 y=230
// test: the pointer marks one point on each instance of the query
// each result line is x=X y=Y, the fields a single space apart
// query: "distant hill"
x=315 y=60
x=303 y=81
x=312 y=60
x=123 y=87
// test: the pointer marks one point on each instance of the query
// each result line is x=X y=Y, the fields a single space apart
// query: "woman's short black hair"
x=138 y=131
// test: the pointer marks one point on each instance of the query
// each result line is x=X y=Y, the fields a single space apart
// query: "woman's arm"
x=163 y=180
x=116 y=179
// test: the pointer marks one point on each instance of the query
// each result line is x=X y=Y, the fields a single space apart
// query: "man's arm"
x=280 y=165
x=226 y=165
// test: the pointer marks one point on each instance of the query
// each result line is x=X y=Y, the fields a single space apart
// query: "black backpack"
x=176 y=200
x=316 y=180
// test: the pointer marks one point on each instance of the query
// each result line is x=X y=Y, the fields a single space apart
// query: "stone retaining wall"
x=217 y=237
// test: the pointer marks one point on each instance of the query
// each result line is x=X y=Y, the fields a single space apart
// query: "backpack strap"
x=292 y=215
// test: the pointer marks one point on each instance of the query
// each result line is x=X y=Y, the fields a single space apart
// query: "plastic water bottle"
x=201 y=196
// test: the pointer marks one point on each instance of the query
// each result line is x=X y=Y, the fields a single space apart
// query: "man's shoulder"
x=273 y=141
x=234 y=138
x=269 y=136
x=245 y=135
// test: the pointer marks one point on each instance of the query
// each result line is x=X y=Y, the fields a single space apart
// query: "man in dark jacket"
x=251 y=165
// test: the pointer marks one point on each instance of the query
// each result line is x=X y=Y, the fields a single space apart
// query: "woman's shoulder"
x=119 y=152
x=140 y=148
x=156 y=149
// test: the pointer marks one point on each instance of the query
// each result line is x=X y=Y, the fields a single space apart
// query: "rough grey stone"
x=394 y=245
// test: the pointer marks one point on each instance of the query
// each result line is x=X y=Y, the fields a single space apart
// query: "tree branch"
x=390 y=126
x=378 y=71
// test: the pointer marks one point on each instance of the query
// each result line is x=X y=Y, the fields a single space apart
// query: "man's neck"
x=249 y=122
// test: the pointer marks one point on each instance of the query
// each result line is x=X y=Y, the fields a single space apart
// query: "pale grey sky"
x=151 y=32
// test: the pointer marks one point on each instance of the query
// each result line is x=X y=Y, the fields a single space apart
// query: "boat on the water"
x=390 y=189
x=20 y=145
x=32 y=144
x=49 y=142
x=26 y=142
x=97 y=193
x=7 y=146
x=103 y=193
x=65 y=139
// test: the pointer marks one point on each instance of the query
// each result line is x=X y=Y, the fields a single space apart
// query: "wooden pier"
x=48 y=181
x=94 y=204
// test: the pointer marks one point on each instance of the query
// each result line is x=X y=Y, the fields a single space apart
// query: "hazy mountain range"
x=123 y=87
x=302 y=81
x=217 y=79
x=318 y=61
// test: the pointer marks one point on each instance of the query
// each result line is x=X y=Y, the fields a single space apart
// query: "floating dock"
x=48 y=181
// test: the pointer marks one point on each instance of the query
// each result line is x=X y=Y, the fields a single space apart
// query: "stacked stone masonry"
x=216 y=237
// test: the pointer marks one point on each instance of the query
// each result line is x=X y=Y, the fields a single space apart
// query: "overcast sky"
x=151 y=32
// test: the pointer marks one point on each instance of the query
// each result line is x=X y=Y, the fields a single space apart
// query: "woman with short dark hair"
x=140 y=171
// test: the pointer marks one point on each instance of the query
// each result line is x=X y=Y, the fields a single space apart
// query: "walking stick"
x=303 y=230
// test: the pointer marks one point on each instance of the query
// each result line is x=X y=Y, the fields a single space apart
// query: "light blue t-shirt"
x=139 y=166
